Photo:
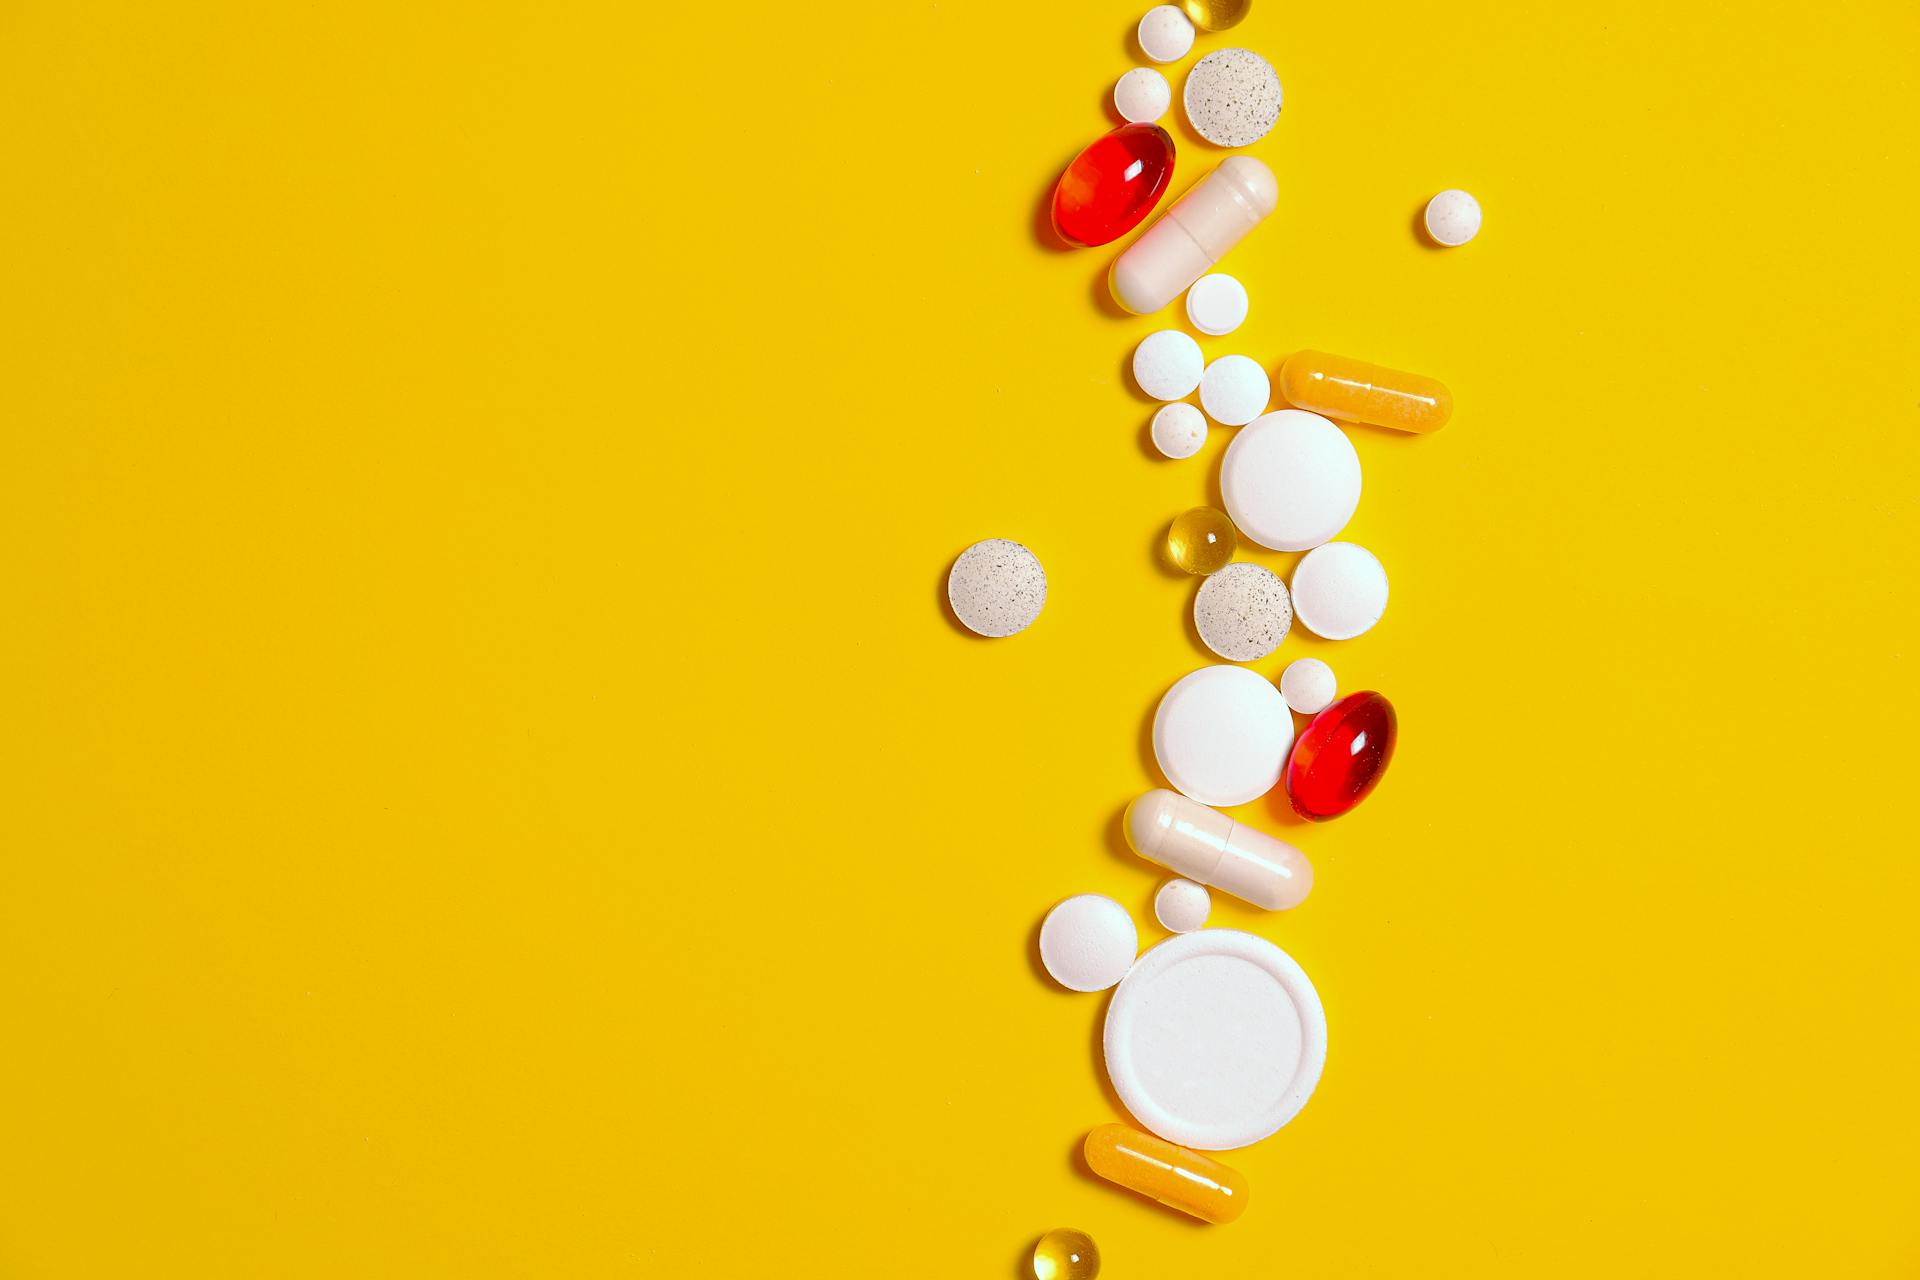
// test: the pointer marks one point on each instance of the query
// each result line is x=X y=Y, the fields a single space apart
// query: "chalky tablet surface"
x=1242 y=612
x=1182 y=906
x=1308 y=685
x=1217 y=304
x=1453 y=218
x=1088 y=942
x=997 y=587
x=1221 y=735
x=1142 y=96
x=1340 y=590
x=1234 y=390
x=1291 y=480
x=1179 y=430
x=1165 y=34
x=1168 y=365
x=1232 y=97
x=1215 y=1039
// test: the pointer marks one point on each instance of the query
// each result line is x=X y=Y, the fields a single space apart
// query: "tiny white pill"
x=997 y=587
x=1340 y=590
x=1142 y=96
x=1308 y=686
x=1168 y=365
x=1217 y=304
x=1165 y=33
x=1242 y=612
x=1234 y=390
x=1291 y=480
x=1453 y=217
x=1179 y=430
x=1088 y=943
x=1182 y=906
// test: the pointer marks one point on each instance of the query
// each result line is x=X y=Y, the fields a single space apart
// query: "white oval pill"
x=1165 y=33
x=1242 y=612
x=1340 y=590
x=1308 y=686
x=1217 y=304
x=1168 y=365
x=1453 y=218
x=997 y=587
x=1179 y=430
x=1142 y=96
x=1221 y=735
x=1182 y=906
x=1234 y=390
x=1232 y=97
x=1291 y=480
x=1088 y=943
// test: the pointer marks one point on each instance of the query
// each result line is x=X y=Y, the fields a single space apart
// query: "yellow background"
x=487 y=785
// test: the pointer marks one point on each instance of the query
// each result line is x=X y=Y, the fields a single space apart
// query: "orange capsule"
x=1355 y=391
x=1176 y=1177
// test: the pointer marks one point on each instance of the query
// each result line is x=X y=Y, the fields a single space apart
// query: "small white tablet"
x=1179 y=430
x=1340 y=590
x=1217 y=304
x=1235 y=390
x=1088 y=942
x=1308 y=685
x=1168 y=365
x=1221 y=735
x=1142 y=96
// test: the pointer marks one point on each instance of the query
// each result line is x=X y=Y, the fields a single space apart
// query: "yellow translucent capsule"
x=1066 y=1254
x=1176 y=1177
x=1355 y=391
x=1201 y=541
x=1216 y=15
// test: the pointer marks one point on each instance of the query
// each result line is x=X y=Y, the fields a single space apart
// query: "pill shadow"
x=1102 y=295
x=1418 y=224
x=946 y=606
x=1157 y=541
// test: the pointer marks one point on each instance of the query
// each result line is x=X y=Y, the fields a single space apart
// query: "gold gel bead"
x=1066 y=1254
x=1201 y=540
x=1355 y=391
x=1216 y=15
x=1176 y=1177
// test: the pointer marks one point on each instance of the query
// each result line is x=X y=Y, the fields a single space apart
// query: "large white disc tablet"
x=1221 y=735
x=1215 y=1039
x=1340 y=590
x=1291 y=480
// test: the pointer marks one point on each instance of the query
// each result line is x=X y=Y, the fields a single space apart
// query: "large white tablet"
x=1221 y=735
x=1291 y=480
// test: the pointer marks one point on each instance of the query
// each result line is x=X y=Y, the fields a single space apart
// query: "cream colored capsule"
x=1212 y=217
x=1206 y=845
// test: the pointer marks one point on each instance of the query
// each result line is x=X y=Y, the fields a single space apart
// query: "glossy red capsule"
x=1338 y=759
x=1113 y=184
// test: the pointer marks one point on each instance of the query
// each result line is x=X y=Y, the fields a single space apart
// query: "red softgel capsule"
x=1113 y=184
x=1338 y=759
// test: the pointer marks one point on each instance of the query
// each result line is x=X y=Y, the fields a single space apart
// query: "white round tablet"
x=1291 y=480
x=1340 y=590
x=1221 y=735
x=1179 y=430
x=1087 y=943
x=1453 y=218
x=997 y=587
x=1215 y=1039
x=1242 y=612
x=1235 y=390
x=1217 y=304
x=1142 y=96
x=1168 y=365
x=1308 y=686
x=1165 y=33
x=1182 y=906
x=1232 y=97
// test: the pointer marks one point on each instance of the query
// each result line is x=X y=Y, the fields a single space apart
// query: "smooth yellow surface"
x=487 y=786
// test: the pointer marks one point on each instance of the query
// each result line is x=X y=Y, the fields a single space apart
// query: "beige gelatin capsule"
x=1355 y=391
x=1176 y=1177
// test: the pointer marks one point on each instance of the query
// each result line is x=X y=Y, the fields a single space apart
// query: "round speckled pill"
x=1165 y=34
x=1168 y=365
x=1308 y=685
x=1142 y=96
x=1242 y=612
x=997 y=587
x=1234 y=390
x=1340 y=590
x=1217 y=304
x=1182 y=906
x=1232 y=97
x=1088 y=942
x=1453 y=218
x=1179 y=430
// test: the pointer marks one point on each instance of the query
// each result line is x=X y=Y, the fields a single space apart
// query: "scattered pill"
x=1232 y=97
x=1216 y=15
x=1453 y=218
x=1113 y=184
x=997 y=587
x=1178 y=1178
x=1341 y=756
x=1291 y=480
x=1142 y=95
x=1088 y=942
x=1179 y=430
x=1217 y=304
x=1206 y=845
x=1168 y=365
x=1308 y=685
x=1182 y=906
x=1221 y=736
x=1356 y=391
x=1242 y=612
x=1066 y=1254
x=1234 y=390
x=1215 y=1039
x=1165 y=33
x=1213 y=216
x=1339 y=590
x=1201 y=540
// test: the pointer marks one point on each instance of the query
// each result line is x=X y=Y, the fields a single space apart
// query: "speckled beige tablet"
x=997 y=587
x=1232 y=97
x=1242 y=612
